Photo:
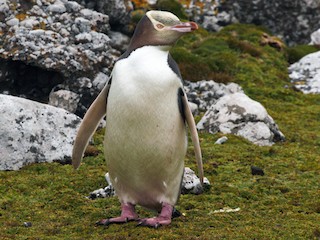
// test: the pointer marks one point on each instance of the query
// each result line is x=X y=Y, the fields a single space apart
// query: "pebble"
x=12 y=22
x=257 y=171
x=221 y=140
x=27 y=224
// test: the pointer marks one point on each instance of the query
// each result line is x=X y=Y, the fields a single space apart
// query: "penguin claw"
x=108 y=221
x=144 y=223
x=151 y=223
x=103 y=222
x=140 y=223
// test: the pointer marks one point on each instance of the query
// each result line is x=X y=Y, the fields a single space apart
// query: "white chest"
x=145 y=72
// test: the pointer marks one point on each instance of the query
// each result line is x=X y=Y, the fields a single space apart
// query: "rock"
x=66 y=41
x=76 y=96
x=103 y=192
x=32 y=132
x=191 y=182
x=205 y=93
x=40 y=36
x=119 y=41
x=65 y=99
x=27 y=224
x=194 y=108
x=277 y=16
x=221 y=140
x=218 y=21
x=315 y=38
x=211 y=14
x=257 y=171
x=20 y=79
x=305 y=74
x=117 y=10
x=238 y=114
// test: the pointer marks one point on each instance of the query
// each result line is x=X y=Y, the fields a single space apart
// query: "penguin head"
x=159 y=28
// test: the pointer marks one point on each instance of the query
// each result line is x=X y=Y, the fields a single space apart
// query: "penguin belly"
x=146 y=138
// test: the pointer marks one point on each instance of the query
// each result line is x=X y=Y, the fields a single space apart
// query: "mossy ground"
x=282 y=204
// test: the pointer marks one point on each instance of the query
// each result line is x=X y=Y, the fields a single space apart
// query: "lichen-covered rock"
x=32 y=132
x=305 y=73
x=238 y=114
x=117 y=10
x=76 y=96
x=315 y=37
x=278 y=16
x=210 y=14
x=205 y=93
x=65 y=99
x=57 y=36
x=191 y=182
x=119 y=41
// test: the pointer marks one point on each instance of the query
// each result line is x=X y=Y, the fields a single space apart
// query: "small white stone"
x=221 y=140
x=12 y=22
x=84 y=37
x=37 y=32
x=58 y=7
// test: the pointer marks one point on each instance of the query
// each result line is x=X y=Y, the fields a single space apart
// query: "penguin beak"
x=185 y=27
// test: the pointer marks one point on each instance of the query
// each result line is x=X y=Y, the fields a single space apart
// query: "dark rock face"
x=20 y=79
x=292 y=21
x=117 y=10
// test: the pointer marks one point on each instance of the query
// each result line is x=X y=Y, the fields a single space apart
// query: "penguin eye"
x=159 y=26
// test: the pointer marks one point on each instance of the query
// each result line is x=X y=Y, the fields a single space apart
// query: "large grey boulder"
x=32 y=132
x=57 y=35
x=238 y=114
x=305 y=73
x=48 y=43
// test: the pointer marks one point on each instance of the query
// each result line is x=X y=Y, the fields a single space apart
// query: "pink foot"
x=163 y=219
x=127 y=214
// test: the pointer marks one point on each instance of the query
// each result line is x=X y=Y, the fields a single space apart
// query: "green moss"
x=234 y=54
x=244 y=47
x=172 y=6
x=137 y=15
x=246 y=32
x=297 y=52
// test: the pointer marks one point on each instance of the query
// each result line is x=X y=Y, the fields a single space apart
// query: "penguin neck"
x=164 y=48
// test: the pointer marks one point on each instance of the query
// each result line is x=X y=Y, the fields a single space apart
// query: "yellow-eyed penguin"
x=146 y=115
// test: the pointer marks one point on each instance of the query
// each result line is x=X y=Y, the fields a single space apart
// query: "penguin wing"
x=89 y=124
x=187 y=115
